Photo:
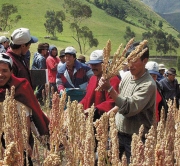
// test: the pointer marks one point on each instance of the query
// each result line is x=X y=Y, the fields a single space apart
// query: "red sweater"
x=51 y=62
x=101 y=99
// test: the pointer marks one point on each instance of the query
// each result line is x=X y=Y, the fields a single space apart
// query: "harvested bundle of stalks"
x=11 y=156
x=89 y=148
x=53 y=160
x=112 y=69
x=56 y=127
x=114 y=143
x=137 y=148
x=150 y=145
x=169 y=136
x=101 y=126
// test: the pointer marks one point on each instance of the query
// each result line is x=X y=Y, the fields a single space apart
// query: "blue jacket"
x=81 y=76
x=39 y=62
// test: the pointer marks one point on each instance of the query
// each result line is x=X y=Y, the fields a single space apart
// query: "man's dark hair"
x=17 y=46
x=133 y=46
x=9 y=65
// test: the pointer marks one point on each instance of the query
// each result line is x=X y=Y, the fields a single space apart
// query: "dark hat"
x=171 y=71
x=62 y=52
x=82 y=58
x=42 y=46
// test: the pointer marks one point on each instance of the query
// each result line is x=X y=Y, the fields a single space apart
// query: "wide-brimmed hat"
x=152 y=67
x=171 y=71
x=22 y=36
x=96 y=57
x=162 y=67
x=82 y=58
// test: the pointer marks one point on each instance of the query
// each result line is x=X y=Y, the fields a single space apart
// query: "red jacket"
x=101 y=99
x=25 y=95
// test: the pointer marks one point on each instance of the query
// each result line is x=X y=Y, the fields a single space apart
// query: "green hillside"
x=104 y=27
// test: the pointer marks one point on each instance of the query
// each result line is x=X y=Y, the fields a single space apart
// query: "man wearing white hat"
x=153 y=69
x=101 y=99
x=72 y=74
x=21 y=40
x=161 y=72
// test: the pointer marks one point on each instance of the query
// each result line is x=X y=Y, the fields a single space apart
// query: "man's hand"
x=87 y=111
x=114 y=109
x=104 y=83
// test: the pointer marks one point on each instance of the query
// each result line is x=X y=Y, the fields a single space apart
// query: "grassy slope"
x=103 y=26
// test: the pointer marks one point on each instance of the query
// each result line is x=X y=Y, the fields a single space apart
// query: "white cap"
x=70 y=50
x=96 y=57
x=3 y=39
x=6 y=58
x=152 y=67
x=22 y=36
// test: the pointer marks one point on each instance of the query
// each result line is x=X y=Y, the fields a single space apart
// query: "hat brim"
x=168 y=72
x=153 y=72
x=33 y=39
x=94 y=61
x=162 y=68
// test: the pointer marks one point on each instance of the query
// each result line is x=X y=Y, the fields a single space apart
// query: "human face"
x=69 y=60
x=5 y=73
x=6 y=44
x=137 y=68
x=171 y=77
x=154 y=76
x=97 y=69
x=25 y=48
x=44 y=52
x=62 y=58
x=54 y=52
x=162 y=71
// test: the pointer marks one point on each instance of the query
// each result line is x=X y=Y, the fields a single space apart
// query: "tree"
x=128 y=34
x=53 y=22
x=81 y=34
x=160 y=24
x=173 y=43
x=7 y=18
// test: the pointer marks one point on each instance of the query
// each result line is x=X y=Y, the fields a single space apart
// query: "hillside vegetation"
x=103 y=26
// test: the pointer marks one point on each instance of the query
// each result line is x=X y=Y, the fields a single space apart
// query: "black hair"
x=9 y=65
x=133 y=46
x=74 y=55
x=17 y=46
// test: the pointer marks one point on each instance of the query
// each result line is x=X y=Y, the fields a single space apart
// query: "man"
x=72 y=74
x=170 y=86
x=52 y=62
x=25 y=95
x=39 y=62
x=62 y=58
x=135 y=105
x=4 y=44
x=153 y=69
x=161 y=72
x=21 y=40
x=101 y=99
